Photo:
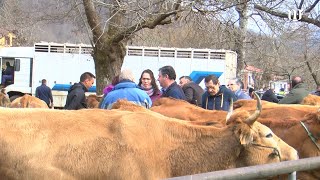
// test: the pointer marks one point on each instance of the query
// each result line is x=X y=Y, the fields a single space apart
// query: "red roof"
x=252 y=68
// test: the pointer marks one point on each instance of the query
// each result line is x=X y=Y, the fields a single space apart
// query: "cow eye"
x=269 y=135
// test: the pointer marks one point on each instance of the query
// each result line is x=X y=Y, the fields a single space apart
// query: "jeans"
x=5 y=78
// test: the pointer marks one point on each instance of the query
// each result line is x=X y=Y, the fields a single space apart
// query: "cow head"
x=93 y=101
x=260 y=144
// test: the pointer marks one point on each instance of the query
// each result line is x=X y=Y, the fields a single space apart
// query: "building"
x=6 y=38
x=250 y=76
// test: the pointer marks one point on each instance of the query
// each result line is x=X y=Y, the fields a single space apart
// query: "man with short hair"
x=170 y=88
x=217 y=97
x=192 y=90
x=297 y=92
x=126 y=89
x=76 y=98
x=44 y=93
x=270 y=96
x=235 y=85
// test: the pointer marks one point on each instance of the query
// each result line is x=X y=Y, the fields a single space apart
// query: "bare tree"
x=16 y=21
x=310 y=15
x=298 y=30
x=112 y=23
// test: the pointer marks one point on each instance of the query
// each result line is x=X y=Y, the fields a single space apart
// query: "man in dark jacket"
x=192 y=90
x=76 y=98
x=270 y=96
x=7 y=74
x=170 y=88
x=44 y=93
x=297 y=92
x=216 y=97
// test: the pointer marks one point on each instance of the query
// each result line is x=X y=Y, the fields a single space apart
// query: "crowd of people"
x=215 y=96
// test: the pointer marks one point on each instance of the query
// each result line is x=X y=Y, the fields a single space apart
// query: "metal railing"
x=259 y=171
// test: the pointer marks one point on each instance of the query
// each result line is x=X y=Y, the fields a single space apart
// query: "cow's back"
x=311 y=99
x=117 y=144
x=46 y=144
x=27 y=101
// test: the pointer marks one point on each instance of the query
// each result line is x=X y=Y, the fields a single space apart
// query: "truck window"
x=17 y=65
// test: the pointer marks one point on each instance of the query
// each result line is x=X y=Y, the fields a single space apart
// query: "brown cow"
x=294 y=133
x=116 y=144
x=276 y=111
x=246 y=104
x=284 y=121
x=93 y=101
x=125 y=105
x=181 y=109
x=27 y=101
x=311 y=99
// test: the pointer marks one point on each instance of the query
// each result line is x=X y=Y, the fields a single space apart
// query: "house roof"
x=252 y=68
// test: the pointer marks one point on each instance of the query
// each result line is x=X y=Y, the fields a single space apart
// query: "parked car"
x=260 y=93
x=279 y=96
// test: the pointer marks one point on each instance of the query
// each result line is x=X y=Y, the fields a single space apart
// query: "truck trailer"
x=62 y=64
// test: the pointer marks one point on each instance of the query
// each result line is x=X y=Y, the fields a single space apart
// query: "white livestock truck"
x=62 y=64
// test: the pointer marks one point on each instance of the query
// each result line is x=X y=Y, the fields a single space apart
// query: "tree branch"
x=151 y=23
x=301 y=4
x=285 y=15
x=93 y=20
x=312 y=6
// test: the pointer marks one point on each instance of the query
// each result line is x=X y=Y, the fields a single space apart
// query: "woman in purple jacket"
x=147 y=82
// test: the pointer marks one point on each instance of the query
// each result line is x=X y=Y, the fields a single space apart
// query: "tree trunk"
x=109 y=37
x=108 y=62
x=242 y=9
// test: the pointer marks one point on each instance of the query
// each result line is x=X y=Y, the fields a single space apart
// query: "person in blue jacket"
x=126 y=89
x=216 y=97
x=236 y=86
x=170 y=88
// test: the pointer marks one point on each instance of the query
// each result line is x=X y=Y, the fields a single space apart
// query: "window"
x=16 y=65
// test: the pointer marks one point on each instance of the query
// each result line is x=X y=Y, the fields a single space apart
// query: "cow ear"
x=246 y=137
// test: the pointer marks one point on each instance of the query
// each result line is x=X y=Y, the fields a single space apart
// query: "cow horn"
x=253 y=117
x=230 y=111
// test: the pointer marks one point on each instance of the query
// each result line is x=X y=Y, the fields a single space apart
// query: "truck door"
x=22 y=72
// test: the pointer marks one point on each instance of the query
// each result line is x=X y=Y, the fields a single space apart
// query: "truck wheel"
x=12 y=98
